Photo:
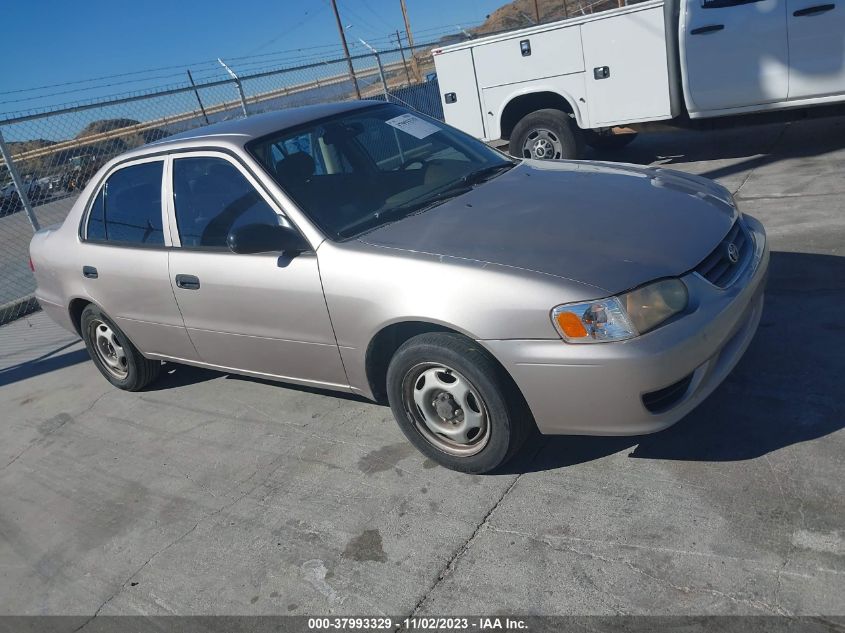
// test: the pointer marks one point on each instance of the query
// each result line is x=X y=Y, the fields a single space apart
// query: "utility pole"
x=402 y=52
x=414 y=66
x=537 y=12
x=346 y=49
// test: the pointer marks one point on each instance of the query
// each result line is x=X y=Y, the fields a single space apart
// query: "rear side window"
x=127 y=209
x=212 y=197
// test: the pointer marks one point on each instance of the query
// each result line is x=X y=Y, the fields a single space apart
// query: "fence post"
x=197 y=95
x=380 y=70
x=238 y=84
x=16 y=178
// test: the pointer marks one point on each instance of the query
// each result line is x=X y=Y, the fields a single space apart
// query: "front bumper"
x=598 y=389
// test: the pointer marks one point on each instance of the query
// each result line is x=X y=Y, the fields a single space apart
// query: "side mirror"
x=265 y=238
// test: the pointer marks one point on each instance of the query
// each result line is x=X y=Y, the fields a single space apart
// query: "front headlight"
x=622 y=317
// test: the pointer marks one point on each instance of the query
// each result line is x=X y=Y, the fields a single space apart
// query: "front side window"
x=359 y=169
x=212 y=197
x=127 y=209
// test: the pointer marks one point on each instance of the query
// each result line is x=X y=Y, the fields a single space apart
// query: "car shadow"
x=770 y=143
x=175 y=375
x=787 y=389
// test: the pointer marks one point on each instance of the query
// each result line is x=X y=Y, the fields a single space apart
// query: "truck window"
x=721 y=4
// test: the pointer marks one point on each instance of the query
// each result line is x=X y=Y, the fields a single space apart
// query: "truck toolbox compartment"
x=554 y=52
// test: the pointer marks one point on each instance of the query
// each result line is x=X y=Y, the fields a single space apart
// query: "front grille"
x=719 y=268
x=664 y=399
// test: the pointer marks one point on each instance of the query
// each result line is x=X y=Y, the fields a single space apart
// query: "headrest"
x=295 y=168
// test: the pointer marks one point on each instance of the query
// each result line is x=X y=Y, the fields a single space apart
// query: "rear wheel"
x=113 y=354
x=453 y=403
x=546 y=135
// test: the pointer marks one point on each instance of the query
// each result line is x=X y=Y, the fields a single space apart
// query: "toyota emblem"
x=733 y=253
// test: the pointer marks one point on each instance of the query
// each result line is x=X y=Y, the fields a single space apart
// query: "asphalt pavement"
x=216 y=494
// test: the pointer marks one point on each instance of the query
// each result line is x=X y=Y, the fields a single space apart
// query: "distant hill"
x=521 y=13
x=110 y=125
x=103 y=147
x=18 y=147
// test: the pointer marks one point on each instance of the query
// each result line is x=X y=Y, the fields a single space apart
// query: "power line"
x=291 y=29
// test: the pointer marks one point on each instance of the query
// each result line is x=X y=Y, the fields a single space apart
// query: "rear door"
x=123 y=259
x=263 y=313
x=734 y=53
x=816 y=48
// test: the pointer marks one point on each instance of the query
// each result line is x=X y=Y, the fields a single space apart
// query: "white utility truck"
x=549 y=89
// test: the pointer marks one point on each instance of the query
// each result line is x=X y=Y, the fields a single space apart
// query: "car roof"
x=238 y=132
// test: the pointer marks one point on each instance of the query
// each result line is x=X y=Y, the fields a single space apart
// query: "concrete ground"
x=214 y=494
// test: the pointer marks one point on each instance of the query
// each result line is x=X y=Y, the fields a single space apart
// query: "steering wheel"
x=411 y=161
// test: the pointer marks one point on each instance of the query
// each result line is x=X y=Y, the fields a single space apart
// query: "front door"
x=734 y=53
x=263 y=314
x=816 y=48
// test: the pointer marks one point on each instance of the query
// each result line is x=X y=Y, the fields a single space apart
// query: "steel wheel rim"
x=542 y=144
x=446 y=409
x=108 y=348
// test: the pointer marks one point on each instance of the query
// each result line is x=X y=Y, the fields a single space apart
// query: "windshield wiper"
x=485 y=173
x=396 y=213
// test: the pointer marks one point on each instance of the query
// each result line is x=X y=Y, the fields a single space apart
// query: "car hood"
x=609 y=225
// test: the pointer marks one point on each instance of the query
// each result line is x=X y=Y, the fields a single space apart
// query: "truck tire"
x=608 y=140
x=546 y=135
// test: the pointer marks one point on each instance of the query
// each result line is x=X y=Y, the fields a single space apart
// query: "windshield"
x=354 y=171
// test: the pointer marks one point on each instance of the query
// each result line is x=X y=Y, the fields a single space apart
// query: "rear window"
x=127 y=209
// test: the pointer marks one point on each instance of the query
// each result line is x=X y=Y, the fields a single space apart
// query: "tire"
x=608 y=141
x=493 y=422
x=114 y=355
x=546 y=135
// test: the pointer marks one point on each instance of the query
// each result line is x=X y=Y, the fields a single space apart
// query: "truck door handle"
x=90 y=272
x=188 y=282
x=711 y=28
x=819 y=8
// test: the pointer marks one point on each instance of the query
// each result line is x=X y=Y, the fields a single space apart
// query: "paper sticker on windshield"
x=413 y=125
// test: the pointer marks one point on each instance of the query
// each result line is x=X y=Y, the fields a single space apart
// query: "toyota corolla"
x=364 y=248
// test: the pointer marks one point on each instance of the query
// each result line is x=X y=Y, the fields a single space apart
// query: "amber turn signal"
x=571 y=325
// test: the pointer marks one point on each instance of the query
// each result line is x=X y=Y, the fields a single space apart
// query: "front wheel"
x=546 y=135
x=453 y=403
x=114 y=355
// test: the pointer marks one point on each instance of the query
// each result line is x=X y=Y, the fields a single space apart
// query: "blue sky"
x=54 y=42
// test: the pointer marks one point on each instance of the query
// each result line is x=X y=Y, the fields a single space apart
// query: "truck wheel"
x=546 y=135
x=114 y=355
x=452 y=402
x=607 y=140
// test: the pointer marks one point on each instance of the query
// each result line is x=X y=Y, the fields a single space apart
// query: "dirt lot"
x=218 y=494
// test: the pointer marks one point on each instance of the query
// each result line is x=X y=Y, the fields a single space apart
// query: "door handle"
x=819 y=8
x=90 y=272
x=712 y=28
x=188 y=282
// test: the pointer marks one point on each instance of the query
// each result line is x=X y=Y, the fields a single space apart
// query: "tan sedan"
x=364 y=248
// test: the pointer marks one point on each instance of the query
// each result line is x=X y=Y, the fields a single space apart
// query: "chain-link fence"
x=53 y=154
